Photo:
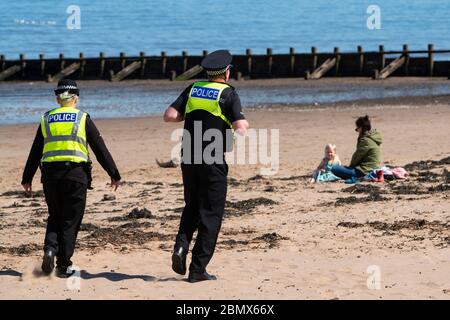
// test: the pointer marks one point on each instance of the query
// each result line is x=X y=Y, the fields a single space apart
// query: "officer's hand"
x=115 y=184
x=27 y=187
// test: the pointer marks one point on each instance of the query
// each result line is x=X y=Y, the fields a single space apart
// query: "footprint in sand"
x=431 y=285
x=323 y=278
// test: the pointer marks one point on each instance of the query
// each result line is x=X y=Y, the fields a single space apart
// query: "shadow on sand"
x=116 y=276
x=10 y=272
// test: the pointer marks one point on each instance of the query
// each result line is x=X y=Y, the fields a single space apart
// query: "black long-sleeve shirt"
x=54 y=171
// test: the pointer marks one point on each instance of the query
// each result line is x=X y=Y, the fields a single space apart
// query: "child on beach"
x=323 y=172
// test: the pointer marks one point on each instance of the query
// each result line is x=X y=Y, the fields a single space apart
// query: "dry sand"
x=281 y=238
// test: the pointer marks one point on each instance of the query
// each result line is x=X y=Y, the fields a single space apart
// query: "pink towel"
x=400 y=173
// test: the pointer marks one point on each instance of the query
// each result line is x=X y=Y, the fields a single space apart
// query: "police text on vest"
x=62 y=117
x=205 y=93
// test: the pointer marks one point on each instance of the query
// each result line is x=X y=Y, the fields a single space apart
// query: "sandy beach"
x=281 y=238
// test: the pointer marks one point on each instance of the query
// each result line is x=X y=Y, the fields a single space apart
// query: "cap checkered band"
x=66 y=87
x=217 y=72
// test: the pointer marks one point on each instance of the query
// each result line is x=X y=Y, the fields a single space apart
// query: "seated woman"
x=323 y=171
x=367 y=156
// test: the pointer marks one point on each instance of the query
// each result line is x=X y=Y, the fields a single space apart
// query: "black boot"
x=197 y=277
x=64 y=272
x=48 y=262
x=179 y=260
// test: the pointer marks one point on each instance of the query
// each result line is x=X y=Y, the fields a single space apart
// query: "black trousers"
x=205 y=190
x=66 y=201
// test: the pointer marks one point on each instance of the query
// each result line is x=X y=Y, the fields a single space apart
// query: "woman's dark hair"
x=364 y=123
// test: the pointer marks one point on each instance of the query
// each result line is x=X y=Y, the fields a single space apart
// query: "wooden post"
x=314 y=58
x=143 y=63
x=361 y=60
x=82 y=62
x=248 y=52
x=292 y=60
x=64 y=73
x=10 y=71
x=406 y=63
x=163 y=63
x=173 y=75
x=102 y=65
x=338 y=58
x=2 y=62
x=122 y=60
x=185 y=60
x=61 y=61
x=238 y=76
x=192 y=72
x=205 y=53
x=430 y=60
x=42 y=64
x=376 y=74
x=22 y=64
x=125 y=72
x=390 y=68
x=321 y=70
x=382 y=57
x=307 y=75
x=7 y=72
x=269 y=61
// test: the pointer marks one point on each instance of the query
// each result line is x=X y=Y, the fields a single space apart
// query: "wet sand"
x=281 y=237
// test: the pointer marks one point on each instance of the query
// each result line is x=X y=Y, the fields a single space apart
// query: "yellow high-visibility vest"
x=205 y=95
x=64 y=131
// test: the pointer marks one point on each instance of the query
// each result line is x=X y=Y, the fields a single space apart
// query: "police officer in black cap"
x=211 y=110
x=60 y=149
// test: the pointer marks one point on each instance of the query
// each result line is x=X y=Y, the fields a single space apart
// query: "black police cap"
x=217 y=60
x=67 y=85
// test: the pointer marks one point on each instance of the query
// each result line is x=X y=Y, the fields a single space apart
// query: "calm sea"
x=112 y=26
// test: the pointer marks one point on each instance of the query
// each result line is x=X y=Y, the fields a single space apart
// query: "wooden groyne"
x=310 y=65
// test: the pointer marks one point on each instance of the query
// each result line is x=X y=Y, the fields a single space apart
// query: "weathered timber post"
x=337 y=56
x=42 y=65
x=163 y=63
x=62 y=61
x=314 y=58
x=406 y=63
x=405 y=53
x=173 y=75
x=291 y=60
x=430 y=60
x=382 y=57
x=185 y=60
x=376 y=74
x=360 y=60
x=269 y=61
x=122 y=60
x=2 y=62
x=248 y=52
x=102 y=65
x=22 y=64
x=143 y=63
x=82 y=61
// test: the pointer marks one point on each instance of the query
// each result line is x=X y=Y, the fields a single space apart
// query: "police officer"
x=205 y=106
x=60 y=149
